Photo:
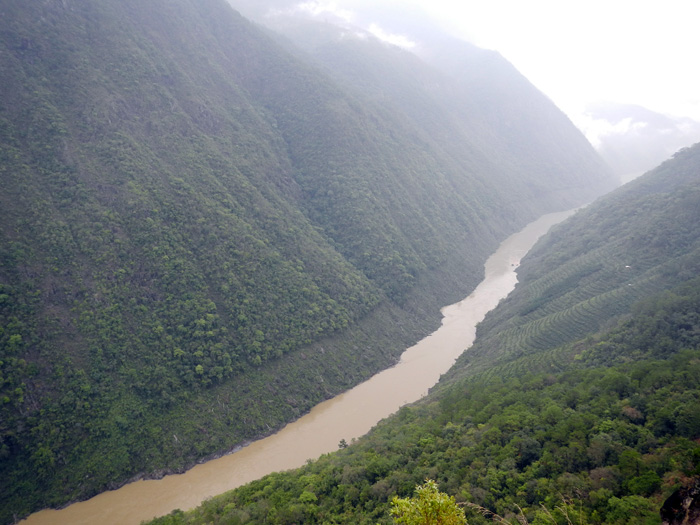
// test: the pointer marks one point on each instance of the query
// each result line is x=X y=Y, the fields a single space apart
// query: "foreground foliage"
x=428 y=507
x=615 y=433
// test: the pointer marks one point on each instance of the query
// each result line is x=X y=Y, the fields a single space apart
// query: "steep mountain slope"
x=635 y=242
x=601 y=429
x=472 y=103
x=203 y=235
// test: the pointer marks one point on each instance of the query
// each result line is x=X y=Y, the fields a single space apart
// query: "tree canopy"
x=429 y=506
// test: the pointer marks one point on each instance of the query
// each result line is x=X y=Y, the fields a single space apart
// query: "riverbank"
x=346 y=416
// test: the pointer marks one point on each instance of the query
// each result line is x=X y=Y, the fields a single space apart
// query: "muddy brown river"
x=346 y=416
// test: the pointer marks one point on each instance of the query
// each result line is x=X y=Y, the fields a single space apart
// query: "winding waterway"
x=346 y=416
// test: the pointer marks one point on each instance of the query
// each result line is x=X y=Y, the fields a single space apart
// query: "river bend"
x=346 y=416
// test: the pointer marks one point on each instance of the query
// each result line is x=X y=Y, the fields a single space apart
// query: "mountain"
x=633 y=139
x=632 y=244
x=578 y=403
x=472 y=103
x=205 y=232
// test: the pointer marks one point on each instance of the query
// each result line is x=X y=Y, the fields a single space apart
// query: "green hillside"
x=639 y=240
x=472 y=104
x=595 y=420
x=204 y=234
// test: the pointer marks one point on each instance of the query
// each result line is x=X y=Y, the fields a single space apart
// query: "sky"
x=577 y=52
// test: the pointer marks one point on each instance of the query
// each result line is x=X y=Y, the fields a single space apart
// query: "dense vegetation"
x=601 y=422
x=612 y=434
x=633 y=243
x=202 y=235
x=461 y=96
x=428 y=506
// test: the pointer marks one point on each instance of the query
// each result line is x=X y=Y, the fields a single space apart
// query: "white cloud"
x=394 y=39
x=318 y=8
x=597 y=130
x=575 y=51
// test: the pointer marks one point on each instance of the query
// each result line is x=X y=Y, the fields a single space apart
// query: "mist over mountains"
x=458 y=93
x=198 y=213
x=633 y=139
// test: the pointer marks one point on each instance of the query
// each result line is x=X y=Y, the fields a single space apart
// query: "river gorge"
x=346 y=416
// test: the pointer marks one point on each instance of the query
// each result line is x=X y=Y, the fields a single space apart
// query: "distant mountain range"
x=633 y=139
x=206 y=228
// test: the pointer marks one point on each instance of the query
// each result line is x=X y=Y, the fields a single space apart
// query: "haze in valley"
x=621 y=71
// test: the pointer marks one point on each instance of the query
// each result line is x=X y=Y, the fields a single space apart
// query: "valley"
x=209 y=226
x=601 y=423
x=345 y=417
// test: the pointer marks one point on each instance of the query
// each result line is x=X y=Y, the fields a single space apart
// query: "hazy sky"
x=626 y=51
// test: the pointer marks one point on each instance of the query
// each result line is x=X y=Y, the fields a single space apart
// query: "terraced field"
x=590 y=270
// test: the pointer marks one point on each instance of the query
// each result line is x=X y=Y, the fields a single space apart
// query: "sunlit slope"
x=202 y=235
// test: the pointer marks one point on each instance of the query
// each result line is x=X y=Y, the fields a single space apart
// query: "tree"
x=427 y=507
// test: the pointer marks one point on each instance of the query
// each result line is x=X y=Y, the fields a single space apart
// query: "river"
x=346 y=416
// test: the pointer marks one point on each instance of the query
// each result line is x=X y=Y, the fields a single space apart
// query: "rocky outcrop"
x=683 y=506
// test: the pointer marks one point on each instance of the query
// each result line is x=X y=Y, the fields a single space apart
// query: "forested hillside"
x=472 y=104
x=589 y=417
x=637 y=241
x=203 y=234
